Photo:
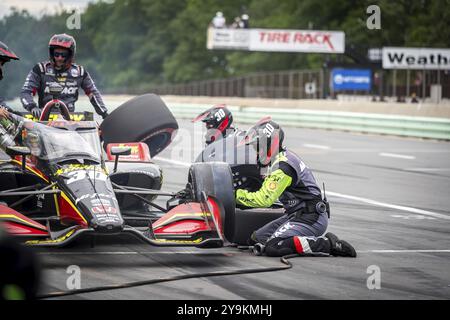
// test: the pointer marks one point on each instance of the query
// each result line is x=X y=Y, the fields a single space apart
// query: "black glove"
x=36 y=112
x=104 y=115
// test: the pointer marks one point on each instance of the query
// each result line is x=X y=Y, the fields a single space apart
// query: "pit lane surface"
x=389 y=198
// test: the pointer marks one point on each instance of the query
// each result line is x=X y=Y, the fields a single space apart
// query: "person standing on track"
x=6 y=55
x=305 y=220
x=60 y=69
x=6 y=126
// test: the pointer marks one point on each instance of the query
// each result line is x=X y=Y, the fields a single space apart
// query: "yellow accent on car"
x=57 y=240
x=11 y=216
x=198 y=240
x=30 y=169
x=55 y=197
x=74 y=167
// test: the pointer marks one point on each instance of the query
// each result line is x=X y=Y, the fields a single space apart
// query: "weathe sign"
x=277 y=40
x=416 y=58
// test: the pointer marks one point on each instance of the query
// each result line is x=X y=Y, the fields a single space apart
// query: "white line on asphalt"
x=76 y=253
x=394 y=155
x=365 y=200
x=405 y=251
x=427 y=169
x=316 y=146
x=391 y=206
x=55 y=253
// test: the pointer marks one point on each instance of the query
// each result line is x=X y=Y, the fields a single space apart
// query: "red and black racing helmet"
x=5 y=55
x=62 y=41
x=217 y=119
x=266 y=136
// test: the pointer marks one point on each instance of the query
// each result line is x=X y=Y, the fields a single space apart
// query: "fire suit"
x=300 y=229
x=71 y=79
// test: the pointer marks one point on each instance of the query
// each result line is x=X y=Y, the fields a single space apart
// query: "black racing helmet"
x=266 y=136
x=217 y=119
x=5 y=55
x=64 y=41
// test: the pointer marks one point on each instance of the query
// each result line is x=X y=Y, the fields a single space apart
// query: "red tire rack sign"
x=277 y=40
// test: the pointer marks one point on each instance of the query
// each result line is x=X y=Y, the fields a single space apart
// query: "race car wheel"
x=216 y=180
x=145 y=118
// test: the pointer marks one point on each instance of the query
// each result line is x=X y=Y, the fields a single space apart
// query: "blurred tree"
x=131 y=45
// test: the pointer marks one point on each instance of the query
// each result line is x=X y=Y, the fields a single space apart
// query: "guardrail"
x=421 y=127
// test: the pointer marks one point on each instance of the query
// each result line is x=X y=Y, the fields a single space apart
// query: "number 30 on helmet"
x=266 y=137
x=217 y=119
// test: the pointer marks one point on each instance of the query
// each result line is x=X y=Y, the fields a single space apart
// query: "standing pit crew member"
x=6 y=55
x=62 y=70
x=300 y=230
x=6 y=126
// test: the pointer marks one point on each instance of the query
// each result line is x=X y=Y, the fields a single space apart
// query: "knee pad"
x=279 y=247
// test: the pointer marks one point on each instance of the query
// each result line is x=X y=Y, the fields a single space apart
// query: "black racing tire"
x=215 y=178
x=144 y=118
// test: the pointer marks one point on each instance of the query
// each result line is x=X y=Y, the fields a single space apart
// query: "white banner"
x=297 y=41
x=416 y=58
x=228 y=39
x=277 y=40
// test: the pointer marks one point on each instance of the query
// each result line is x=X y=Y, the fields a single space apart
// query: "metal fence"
x=294 y=84
x=280 y=84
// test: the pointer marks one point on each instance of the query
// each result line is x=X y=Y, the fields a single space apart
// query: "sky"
x=39 y=7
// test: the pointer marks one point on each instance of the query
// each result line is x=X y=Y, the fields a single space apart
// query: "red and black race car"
x=59 y=184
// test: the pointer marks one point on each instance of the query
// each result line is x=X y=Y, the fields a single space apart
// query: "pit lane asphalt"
x=389 y=198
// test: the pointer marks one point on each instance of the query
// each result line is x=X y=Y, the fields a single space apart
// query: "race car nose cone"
x=110 y=227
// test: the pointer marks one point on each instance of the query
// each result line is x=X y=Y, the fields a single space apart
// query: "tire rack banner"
x=416 y=58
x=277 y=40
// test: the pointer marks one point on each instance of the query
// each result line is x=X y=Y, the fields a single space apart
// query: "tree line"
x=137 y=44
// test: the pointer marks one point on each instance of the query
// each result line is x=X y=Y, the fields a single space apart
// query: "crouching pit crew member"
x=300 y=230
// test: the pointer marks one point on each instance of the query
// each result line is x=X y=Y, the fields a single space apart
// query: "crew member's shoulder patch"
x=272 y=185
x=74 y=71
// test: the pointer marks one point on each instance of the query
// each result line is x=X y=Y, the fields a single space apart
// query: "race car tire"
x=144 y=118
x=215 y=178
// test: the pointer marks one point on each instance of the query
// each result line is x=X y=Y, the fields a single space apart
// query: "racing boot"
x=340 y=248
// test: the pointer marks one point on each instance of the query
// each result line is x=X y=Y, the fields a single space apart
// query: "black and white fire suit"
x=71 y=79
x=300 y=229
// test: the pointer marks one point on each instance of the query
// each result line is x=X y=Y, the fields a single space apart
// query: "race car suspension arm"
x=135 y=194
x=29 y=194
x=33 y=187
x=132 y=190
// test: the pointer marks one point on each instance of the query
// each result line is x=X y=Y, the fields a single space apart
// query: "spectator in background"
x=244 y=21
x=414 y=98
x=236 y=23
x=218 y=21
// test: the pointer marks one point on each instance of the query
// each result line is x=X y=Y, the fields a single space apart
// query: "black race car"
x=59 y=184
